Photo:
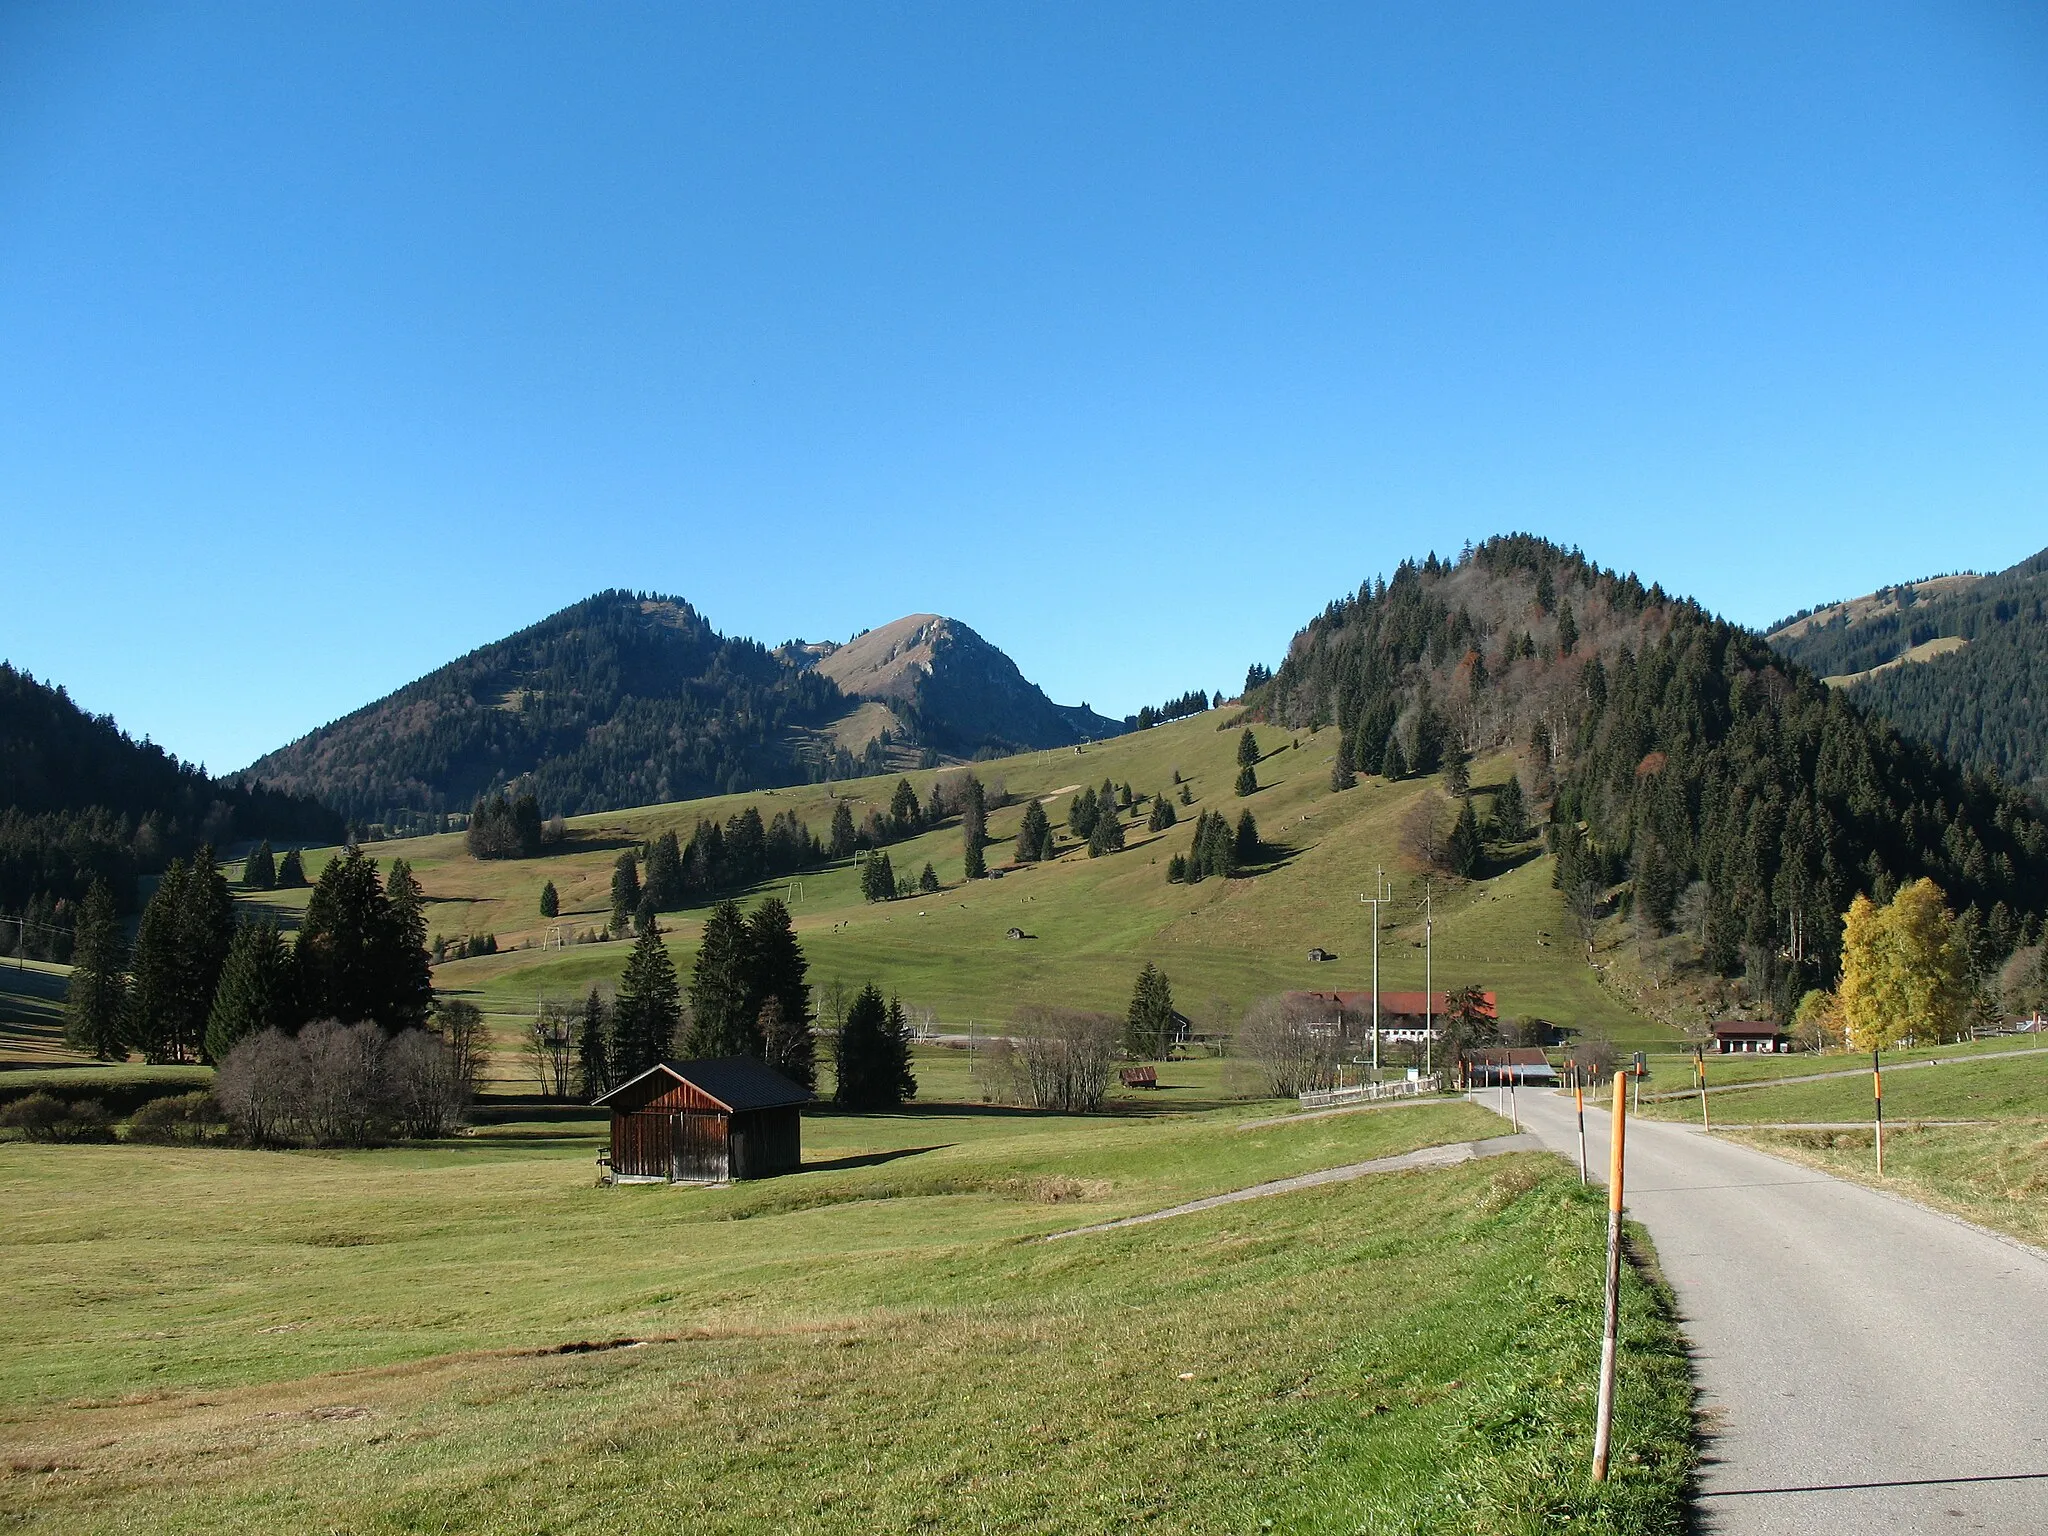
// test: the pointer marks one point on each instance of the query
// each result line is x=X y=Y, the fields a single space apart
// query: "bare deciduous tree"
x=1292 y=1049
x=1423 y=832
x=1059 y=1058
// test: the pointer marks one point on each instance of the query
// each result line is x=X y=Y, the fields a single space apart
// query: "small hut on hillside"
x=705 y=1122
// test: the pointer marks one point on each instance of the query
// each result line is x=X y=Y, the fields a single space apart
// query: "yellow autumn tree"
x=1905 y=972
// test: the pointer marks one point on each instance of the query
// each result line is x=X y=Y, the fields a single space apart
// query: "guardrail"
x=1369 y=1093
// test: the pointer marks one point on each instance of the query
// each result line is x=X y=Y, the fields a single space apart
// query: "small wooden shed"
x=706 y=1122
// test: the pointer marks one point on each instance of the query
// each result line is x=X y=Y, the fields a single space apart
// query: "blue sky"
x=335 y=340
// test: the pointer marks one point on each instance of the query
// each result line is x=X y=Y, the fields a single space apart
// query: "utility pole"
x=1379 y=895
x=1428 y=981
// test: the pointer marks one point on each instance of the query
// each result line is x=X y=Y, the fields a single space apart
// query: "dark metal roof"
x=1745 y=1028
x=740 y=1083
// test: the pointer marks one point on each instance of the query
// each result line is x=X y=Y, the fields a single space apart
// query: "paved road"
x=1872 y=1367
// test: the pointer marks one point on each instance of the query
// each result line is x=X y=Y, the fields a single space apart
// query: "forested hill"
x=1678 y=750
x=80 y=798
x=622 y=699
x=1981 y=692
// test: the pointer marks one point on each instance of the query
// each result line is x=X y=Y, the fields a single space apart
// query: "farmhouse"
x=1403 y=1015
x=705 y=1122
x=1742 y=1036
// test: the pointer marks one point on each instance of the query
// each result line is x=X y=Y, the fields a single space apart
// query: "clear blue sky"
x=335 y=340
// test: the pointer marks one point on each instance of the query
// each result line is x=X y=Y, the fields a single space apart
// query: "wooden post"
x=1603 y=1422
x=1579 y=1099
x=1877 y=1092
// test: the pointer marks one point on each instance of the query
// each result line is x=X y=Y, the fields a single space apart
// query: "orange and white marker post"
x=1579 y=1099
x=1603 y=1423
x=1699 y=1072
x=1877 y=1091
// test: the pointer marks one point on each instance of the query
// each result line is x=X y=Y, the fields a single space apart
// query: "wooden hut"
x=705 y=1122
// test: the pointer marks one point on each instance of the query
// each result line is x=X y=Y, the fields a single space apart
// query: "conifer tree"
x=206 y=927
x=1510 y=811
x=1081 y=812
x=402 y=953
x=1107 y=835
x=779 y=991
x=1034 y=837
x=904 y=814
x=1567 y=631
x=722 y=1011
x=594 y=1047
x=1162 y=815
x=1244 y=844
x=157 y=978
x=97 y=997
x=1392 y=764
x=1457 y=772
x=974 y=830
x=873 y=1054
x=1247 y=749
x=844 y=839
x=625 y=891
x=1176 y=869
x=929 y=880
x=253 y=992
x=550 y=903
x=1344 y=772
x=877 y=877
x=259 y=870
x=1148 y=1023
x=665 y=871
x=291 y=871
x=1247 y=780
x=647 y=1010
x=1187 y=795
x=1463 y=848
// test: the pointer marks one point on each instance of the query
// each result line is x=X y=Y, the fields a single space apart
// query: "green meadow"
x=1091 y=923
x=207 y=1339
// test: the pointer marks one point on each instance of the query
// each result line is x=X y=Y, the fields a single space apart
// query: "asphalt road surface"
x=1866 y=1365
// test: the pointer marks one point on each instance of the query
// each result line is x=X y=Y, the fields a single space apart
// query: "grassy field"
x=1092 y=922
x=208 y=1339
x=1980 y=1085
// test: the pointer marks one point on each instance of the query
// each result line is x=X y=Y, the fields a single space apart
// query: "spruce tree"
x=1247 y=749
x=408 y=977
x=252 y=993
x=648 y=1008
x=1567 y=631
x=974 y=829
x=1463 y=848
x=1162 y=815
x=877 y=878
x=665 y=872
x=928 y=881
x=779 y=982
x=1034 y=837
x=97 y=997
x=157 y=976
x=1247 y=780
x=844 y=839
x=1148 y=1023
x=1457 y=772
x=904 y=815
x=873 y=1054
x=625 y=891
x=1392 y=764
x=206 y=927
x=291 y=872
x=1081 y=812
x=1107 y=835
x=1187 y=795
x=721 y=1010
x=259 y=870
x=1510 y=811
x=1344 y=773
x=356 y=958
x=594 y=1047
x=550 y=903
x=1244 y=846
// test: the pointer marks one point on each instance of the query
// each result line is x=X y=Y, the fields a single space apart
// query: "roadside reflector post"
x=1603 y=1423
x=1699 y=1069
x=1514 y=1099
x=1877 y=1096
x=1579 y=1099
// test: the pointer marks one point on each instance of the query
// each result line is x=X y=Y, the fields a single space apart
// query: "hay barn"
x=705 y=1122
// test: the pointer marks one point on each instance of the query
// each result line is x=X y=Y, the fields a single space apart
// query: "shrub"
x=45 y=1117
x=1059 y=1059
x=1290 y=1051
x=185 y=1119
x=342 y=1085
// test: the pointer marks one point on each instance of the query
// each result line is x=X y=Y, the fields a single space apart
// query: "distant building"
x=1412 y=1016
x=1738 y=1037
x=1319 y=955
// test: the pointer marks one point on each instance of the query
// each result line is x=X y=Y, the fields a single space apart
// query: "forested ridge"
x=1985 y=706
x=622 y=699
x=80 y=799
x=1680 y=754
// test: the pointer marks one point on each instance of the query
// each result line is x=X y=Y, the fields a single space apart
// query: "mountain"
x=1690 y=768
x=1959 y=661
x=634 y=699
x=953 y=690
x=80 y=799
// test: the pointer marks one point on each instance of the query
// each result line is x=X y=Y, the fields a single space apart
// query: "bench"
x=1139 y=1077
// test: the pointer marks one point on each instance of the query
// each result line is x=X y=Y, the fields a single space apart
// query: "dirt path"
x=1426 y=1157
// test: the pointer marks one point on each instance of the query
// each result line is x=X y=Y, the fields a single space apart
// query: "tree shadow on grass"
x=866 y=1159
